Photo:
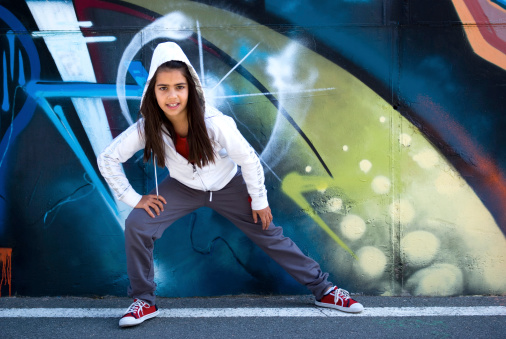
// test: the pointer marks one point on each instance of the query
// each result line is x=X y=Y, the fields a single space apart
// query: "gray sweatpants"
x=231 y=202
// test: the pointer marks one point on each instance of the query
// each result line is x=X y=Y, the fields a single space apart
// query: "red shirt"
x=182 y=146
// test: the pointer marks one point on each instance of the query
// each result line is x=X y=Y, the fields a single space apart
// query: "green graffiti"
x=295 y=185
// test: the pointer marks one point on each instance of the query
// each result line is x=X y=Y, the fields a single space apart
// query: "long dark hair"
x=200 y=147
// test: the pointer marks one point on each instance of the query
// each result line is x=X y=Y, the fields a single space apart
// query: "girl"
x=202 y=149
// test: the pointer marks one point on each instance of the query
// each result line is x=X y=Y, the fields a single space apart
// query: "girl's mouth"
x=172 y=106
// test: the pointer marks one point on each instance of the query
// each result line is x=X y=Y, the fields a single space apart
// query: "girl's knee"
x=135 y=220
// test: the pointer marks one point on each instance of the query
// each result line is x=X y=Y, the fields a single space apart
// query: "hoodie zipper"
x=198 y=174
x=202 y=182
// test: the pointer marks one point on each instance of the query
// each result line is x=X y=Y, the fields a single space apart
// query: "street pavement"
x=248 y=316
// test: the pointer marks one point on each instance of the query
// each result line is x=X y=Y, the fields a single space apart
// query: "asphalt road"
x=389 y=324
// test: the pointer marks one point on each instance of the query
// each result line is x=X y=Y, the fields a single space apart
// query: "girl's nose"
x=171 y=93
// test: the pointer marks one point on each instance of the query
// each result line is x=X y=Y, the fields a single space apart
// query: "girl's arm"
x=122 y=148
x=241 y=152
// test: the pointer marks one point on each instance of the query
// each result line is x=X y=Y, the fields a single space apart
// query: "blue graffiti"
x=5 y=101
x=23 y=36
x=501 y=3
x=79 y=90
x=37 y=94
x=138 y=72
x=79 y=193
x=11 y=129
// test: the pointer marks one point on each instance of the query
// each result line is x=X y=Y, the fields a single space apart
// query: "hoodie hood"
x=169 y=51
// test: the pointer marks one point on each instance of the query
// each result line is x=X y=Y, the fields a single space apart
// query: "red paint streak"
x=479 y=165
x=205 y=47
x=486 y=29
x=5 y=259
x=84 y=10
x=83 y=5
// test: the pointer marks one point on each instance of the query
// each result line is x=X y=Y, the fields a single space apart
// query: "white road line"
x=256 y=312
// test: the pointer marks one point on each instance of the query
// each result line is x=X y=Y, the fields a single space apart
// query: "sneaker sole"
x=340 y=308
x=130 y=321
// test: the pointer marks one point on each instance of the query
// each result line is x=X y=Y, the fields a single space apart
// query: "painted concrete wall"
x=380 y=125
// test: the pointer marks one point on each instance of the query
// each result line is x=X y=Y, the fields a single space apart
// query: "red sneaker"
x=340 y=300
x=137 y=313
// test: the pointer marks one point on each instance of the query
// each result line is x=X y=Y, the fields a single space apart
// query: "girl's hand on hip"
x=265 y=215
x=152 y=201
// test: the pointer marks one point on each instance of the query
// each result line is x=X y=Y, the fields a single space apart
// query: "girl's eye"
x=180 y=87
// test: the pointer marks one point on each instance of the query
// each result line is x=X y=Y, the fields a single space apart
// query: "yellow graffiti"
x=295 y=185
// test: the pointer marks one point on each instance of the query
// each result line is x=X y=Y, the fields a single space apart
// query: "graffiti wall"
x=380 y=125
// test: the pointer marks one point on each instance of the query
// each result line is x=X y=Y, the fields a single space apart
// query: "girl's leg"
x=141 y=231
x=232 y=202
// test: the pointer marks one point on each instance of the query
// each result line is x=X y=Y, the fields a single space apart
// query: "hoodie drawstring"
x=156 y=177
x=203 y=185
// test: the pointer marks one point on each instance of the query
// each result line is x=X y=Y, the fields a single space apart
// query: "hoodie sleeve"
x=122 y=148
x=241 y=152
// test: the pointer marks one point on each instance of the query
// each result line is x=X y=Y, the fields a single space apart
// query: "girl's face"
x=171 y=90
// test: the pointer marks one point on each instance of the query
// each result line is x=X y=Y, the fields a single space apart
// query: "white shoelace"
x=342 y=295
x=137 y=305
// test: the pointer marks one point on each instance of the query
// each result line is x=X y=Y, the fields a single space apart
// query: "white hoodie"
x=230 y=147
